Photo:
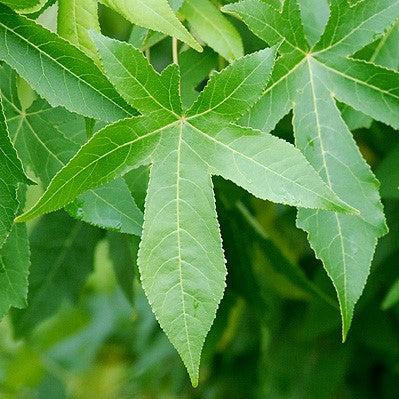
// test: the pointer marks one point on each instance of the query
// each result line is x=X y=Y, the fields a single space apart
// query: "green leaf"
x=181 y=263
x=350 y=28
x=307 y=82
x=376 y=88
x=46 y=139
x=14 y=270
x=11 y=173
x=383 y=52
x=345 y=243
x=141 y=86
x=271 y=25
x=62 y=258
x=20 y=4
x=213 y=28
x=123 y=251
x=110 y=206
x=227 y=96
x=75 y=18
x=153 y=14
x=57 y=70
x=315 y=15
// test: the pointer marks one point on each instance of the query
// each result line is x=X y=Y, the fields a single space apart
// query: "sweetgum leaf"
x=181 y=259
x=306 y=80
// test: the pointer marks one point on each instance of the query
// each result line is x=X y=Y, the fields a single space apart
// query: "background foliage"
x=87 y=330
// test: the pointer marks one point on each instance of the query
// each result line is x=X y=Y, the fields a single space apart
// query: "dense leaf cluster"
x=127 y=138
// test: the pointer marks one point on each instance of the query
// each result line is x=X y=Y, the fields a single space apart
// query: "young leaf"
x=61 y=260
x=75 y=18
x=153 y=14
x=57 y=70
x=181 y=262
x=213 y=28
x=308 y=81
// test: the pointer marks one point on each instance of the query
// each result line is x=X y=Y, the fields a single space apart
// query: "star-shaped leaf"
x=181 y=258
x=307 y=79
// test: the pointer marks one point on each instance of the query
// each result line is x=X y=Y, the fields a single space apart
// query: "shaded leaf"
x=62 y=251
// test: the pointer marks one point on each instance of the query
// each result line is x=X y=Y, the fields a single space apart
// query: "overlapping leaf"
x=75 y=19
x=14 y=266
x=181 y=259
x=57 y=70
x=46 y=139
x=306 y=80
x=153 y=14
x=213 y=28
x=11 y=174
x=61 y=260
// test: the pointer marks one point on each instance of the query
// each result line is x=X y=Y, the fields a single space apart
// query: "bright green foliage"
x=57 y=71
x=222 y=37
x=306 y=80
x=75 y=19
x=167 y=146
x=61 y=260
x=153 y=14
x=181 y=262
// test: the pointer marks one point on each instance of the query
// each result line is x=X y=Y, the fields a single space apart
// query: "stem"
x=175 y=53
